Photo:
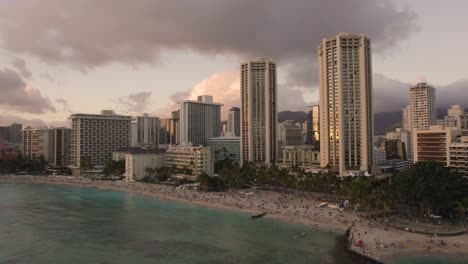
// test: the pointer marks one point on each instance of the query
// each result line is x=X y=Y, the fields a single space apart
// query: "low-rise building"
x=225 y=147
x=197 y=159
x=138 y=160
x=458 y=156
x=8 y=151
x=302 y=156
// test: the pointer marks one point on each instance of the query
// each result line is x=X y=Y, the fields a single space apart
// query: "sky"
x=59 y=57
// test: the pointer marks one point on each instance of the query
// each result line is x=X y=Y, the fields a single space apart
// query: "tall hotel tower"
x=423 y=106
x=259 y=112
x=346 y=116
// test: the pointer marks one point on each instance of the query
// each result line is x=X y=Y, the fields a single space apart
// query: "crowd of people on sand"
x=368 y=236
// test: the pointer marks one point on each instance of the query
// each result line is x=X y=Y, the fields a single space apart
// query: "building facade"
x=289 y=134
x=35 y=143
x=259 y=112
x=233 y=125
x=147 y=131
x=302 y=156
x=406 y=117
x=59 y=147
x=458 y=156
x=433 y=144
x=199 y=121
x=138 y=160
x=346 y=112
x=197 y=159
x=95 y=136
x=423 y=106
x=225 y=147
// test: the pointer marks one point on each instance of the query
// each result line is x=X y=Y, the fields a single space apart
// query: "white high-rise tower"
x=259 y=112
x=346 y=114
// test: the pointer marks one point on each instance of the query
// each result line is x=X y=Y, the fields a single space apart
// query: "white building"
x=198 y=159
x=346 y=112
x=146 y=129
x=94 y=137
x=458 y=156
x=226 y=146
x=199 y=120
x=138 y=160
x=258 y=112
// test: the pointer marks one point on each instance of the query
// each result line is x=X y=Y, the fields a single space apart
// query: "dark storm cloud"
x=136 y=102
x=16 y=95
x=87 y=33
x=90 y=33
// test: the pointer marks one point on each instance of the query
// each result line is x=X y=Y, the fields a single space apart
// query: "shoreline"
x=138 y=188
x=382 y=244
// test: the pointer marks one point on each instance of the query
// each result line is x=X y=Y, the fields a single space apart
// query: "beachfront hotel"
x=346 y=113
x=258 y=112
x=199 y=120
x=95 y=136
x=198 y=159
x=137 y=160
x=59 y=144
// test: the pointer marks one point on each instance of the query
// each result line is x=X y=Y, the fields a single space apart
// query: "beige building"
x=198 y=159
x=94 y=137
x=145 y=131
x=258 y=112
x=35 y=142
x=138 y=160
x=406 y=112
x=433 y=144
x=59 y=147
x=346 y=112
x=458 y=156
x=302 y=156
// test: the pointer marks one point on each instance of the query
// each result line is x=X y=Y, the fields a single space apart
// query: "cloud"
x=22 y=67
x=136 y=102
x=17 y=95
x=88 y=33
x=64 y=104
x=225 y=89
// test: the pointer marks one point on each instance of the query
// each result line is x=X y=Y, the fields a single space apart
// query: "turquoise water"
x=66 y=224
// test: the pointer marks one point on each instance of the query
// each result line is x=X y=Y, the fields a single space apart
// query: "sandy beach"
x=379 y=242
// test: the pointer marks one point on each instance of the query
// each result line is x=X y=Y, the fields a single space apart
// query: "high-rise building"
x=94 y=137
x=458 y=156
x=147 y=131
x=346 y=113
x=35 y=143
x=199 y=120
x=234 y=121
x=407 y=118
x=259 y=112
x=316 y=127
x=394 y=149
x=15 y=133
x=59 y=147
x=423 y=106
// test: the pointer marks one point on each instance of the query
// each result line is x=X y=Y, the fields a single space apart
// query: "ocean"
x=42 y=223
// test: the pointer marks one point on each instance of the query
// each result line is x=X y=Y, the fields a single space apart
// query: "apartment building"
x=95 y=136
x=59 y=147
x=35 y=143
